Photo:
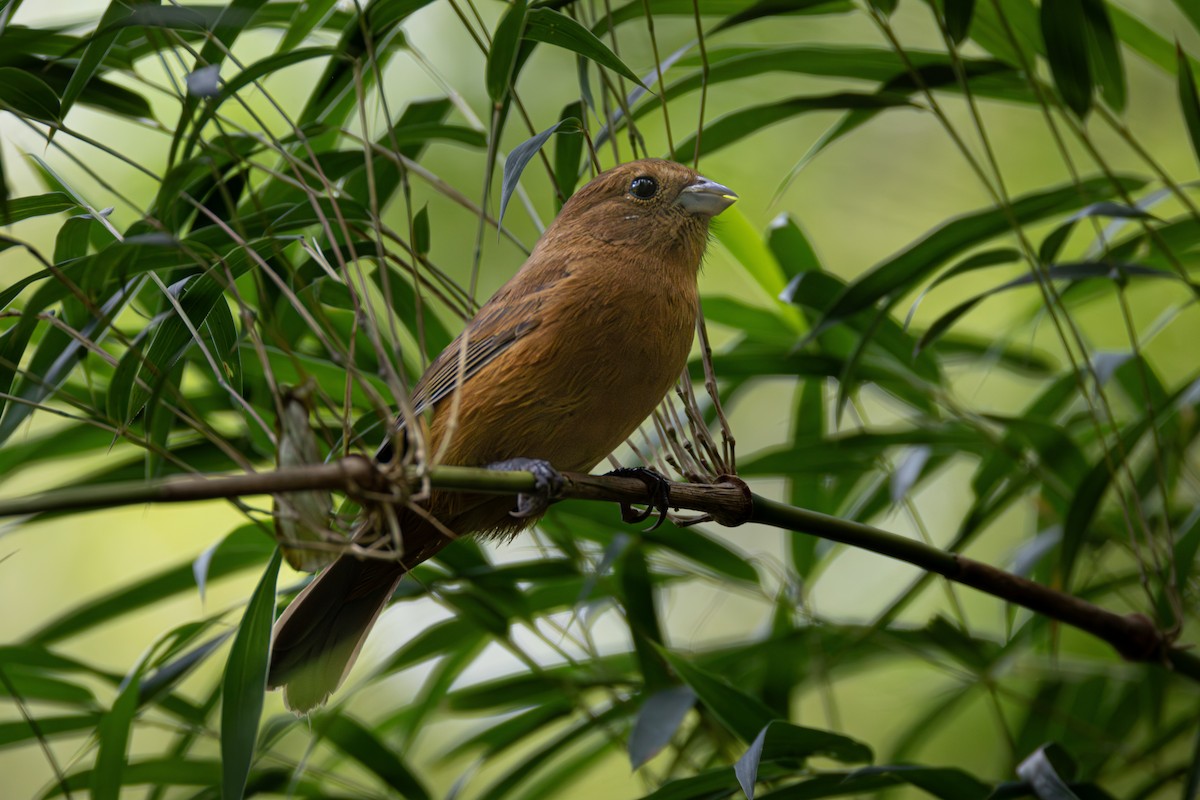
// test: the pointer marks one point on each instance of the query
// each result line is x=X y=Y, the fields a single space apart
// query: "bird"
x=554 y=372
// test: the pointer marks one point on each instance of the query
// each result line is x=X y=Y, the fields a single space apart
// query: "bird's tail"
x=318 y=637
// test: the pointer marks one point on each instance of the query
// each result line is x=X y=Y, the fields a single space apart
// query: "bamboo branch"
x=728 y=501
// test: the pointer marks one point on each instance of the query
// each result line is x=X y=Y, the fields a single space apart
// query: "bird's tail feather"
x=317 y=639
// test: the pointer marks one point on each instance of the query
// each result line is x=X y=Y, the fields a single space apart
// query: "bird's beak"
x=706 y=198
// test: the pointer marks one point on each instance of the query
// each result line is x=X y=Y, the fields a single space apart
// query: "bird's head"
x=661 y=207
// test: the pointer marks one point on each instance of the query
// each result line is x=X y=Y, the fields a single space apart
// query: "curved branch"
x=729 y=502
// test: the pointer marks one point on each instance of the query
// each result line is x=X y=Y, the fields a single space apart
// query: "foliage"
x=285 y=240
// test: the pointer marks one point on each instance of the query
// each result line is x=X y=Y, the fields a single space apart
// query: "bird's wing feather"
x=497 y=327
x=444 y=373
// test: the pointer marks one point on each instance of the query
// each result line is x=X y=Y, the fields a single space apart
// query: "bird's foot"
x=548 y=485
x=659 y=488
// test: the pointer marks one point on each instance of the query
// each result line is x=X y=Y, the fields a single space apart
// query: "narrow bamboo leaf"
x=744 y=242
x=156 y=772
x=100 y=42
x=944 y=783
x=1189 y=99
x=1074 y=273
x=520 y=156
x=902 y=271
x=742 y=714
x=434 y=641
x=736 y=125
x=360 y=744
x=71 y=242
x=1191 y=11
x=567 y=152
x=885 y=7
x=112 y=734
x=245 y=683
x=780 y=739
x=220 y=336
x=638 y=598
x=1064 y=30
x=1051 y=246
x=251 y=549
x=371 y=35
x=38 y=205
x=712 y=783
x=551 y=27
x=774 y=8
x=247 y=77
x=752 y=320
x=421 y=234
x=27 y=95
x=502 y=57
x=305 y=19
x=1104 y=54
x=513 y=731
x=529 y=765
x=199 y=297
x=706 y=551
x=21 y=733
x=1042 y=771
x=413 y=721
x=1089 y=492
x=29 y=686
x=908 y=472
x=657 y=720
x=958 y=18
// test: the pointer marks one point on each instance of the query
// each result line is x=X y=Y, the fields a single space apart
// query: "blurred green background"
x=863 y=199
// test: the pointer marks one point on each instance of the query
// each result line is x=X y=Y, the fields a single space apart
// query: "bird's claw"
x=548 y=483
x=659 y=489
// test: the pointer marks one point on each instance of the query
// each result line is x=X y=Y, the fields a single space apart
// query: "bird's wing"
x=445 y=373
x=497 y=327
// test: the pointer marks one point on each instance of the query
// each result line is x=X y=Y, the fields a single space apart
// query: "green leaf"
x=245 y=683
x=138 y=374
x=783 y=740
x=736 y=125
x=742 y=714
x=362 y=745
x=420 y=235
x=1064 y=29
x=98 y=46
x=1189 y=99
x=706 y=551
x=245 y=548
x=305 y=19
x=902 y=271
x=112 y=734
x=1073 y=273
x=551 y=27
x=567 y=152
x=1104 y=54
x=502 y=57
x=39 y=205
x=21 y=733
x=520 y=156
x=1041 y=770
x=657 y=721
x=28 y=95
x=958 y=15
x=637 y=596
x=773 y=8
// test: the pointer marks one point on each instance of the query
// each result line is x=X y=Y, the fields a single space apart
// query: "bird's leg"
x=548 y=482
x=659 y=489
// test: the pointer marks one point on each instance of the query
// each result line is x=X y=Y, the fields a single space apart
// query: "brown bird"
x=561 y=366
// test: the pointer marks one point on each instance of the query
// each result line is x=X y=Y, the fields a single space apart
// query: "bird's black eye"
x=643 y=187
